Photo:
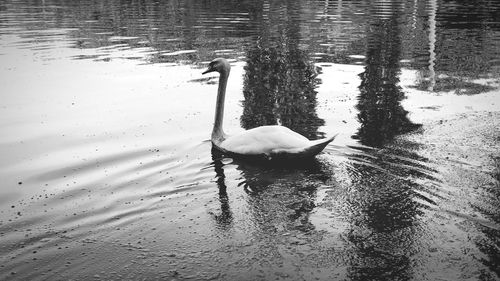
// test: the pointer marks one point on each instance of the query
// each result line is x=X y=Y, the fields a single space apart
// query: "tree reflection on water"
x=279 y=88
x=280 y=80
x=380 y=111
x=383 y=210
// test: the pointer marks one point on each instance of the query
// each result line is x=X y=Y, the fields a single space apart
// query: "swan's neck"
x=217 y=133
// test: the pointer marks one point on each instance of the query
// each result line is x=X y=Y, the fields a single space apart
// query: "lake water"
x=107 y=168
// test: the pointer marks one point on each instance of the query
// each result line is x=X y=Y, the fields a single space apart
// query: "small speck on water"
x=20 y=183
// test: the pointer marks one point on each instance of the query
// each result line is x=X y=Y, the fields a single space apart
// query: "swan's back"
x=265 y=140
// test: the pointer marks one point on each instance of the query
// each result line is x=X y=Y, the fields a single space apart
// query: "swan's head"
x=220 y=65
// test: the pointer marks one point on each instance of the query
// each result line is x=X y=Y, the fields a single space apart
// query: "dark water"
x=108 y=173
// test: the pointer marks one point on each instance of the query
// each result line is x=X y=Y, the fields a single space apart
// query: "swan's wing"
x=274 y=142
x=264 y=140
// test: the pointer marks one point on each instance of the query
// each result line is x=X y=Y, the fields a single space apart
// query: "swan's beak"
x=207 y=71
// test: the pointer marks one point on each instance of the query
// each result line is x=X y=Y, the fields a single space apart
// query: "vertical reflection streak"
x=225 y=219
x=432 y=44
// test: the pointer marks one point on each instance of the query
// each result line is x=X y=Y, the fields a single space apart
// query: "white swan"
x=270 y=142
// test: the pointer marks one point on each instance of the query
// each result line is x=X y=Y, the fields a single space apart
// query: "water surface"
x=108 y=171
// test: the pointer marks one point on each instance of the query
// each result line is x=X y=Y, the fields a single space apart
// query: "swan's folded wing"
x=263 y=140
x=274 y=142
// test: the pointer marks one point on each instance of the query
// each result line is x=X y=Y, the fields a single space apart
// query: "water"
x=107 y=169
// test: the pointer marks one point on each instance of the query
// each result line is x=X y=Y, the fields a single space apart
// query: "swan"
x=271 y=142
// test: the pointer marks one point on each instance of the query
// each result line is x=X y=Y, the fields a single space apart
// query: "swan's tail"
x=318 y=146
x=303 y=152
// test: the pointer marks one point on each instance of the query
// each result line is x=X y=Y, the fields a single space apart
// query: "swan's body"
x=271 y=142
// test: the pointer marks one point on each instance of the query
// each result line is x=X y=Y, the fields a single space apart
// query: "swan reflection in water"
x=223 y=220
x=279 y=197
